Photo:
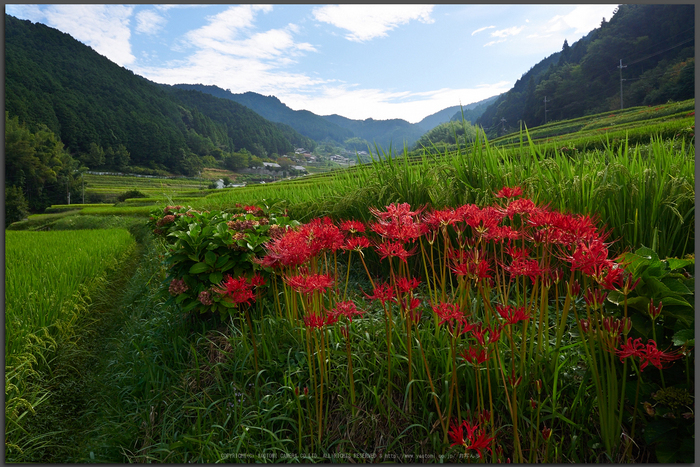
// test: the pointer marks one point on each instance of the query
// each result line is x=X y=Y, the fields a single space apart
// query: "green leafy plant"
x=208 y=247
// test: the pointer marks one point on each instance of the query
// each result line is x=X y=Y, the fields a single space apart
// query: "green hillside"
x=657 y=48
x=85 y=99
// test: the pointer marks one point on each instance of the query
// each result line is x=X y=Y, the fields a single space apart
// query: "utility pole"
x=621 y=80
x=545 y=110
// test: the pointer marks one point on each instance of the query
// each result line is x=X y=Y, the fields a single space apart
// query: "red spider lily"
x=525 y=267
x=615 y=327
x=500 y=233
x=471 y=265
x=323 y=234
x=517 y=253
x=546 y=433
x=475 y=439
x=257 y=280
x=314 y=321
x=654 y=311
x=384 y=293
x=414 y=315
x=400 y=231
x=309 y=283
x=237 y=289
x=407 y=285
x=352 y=226
x=448 y=312
x=483 y=220
x=462 y=326
x=356 y=244
x=515 y=382
x=595 y=298
x=647 y=354
x=475 y=357
x=494 y=333
x=585 y=325
x=394 y=249
x=590 y=257
x=511 y=314
x=395 y=211
x=437 y=219
x=347 y=309
x=614 y=279
x=509 y=192
x=290 y=249
x=520 y=206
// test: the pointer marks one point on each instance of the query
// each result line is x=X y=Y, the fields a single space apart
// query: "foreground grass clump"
x=495 y=333
x=49 y=278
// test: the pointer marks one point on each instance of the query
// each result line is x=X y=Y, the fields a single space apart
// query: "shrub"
x=130 y=194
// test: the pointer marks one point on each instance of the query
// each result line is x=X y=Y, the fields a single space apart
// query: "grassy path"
x=67 y=426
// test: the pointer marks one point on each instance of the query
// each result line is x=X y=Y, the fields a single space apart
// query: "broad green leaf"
x=659 y=430
x=222 y=260
x=675 y=263
x=181 y=297
x=210 y=258
x=684 y=336
x=647 y=253
x=215 y=277
x=616 y=297
x=675 y=285
x=199 y=268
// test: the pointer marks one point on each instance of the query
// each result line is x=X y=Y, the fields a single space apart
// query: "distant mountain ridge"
x=395 y=132
x=271 y=108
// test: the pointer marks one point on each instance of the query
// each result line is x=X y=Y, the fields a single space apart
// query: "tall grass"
x=644 y=194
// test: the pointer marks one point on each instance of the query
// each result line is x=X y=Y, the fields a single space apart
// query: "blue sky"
x=358 y=61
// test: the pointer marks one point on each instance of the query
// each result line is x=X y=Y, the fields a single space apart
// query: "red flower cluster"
x=448 y=313
x=647 y=354
x=511 y=314
x=347 y=309
x=309 y=283
x=469 y=436
x=239 y=290
x=317 y=321
x=509 y=192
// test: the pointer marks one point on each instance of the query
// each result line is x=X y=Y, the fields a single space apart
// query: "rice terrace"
x=484 y=294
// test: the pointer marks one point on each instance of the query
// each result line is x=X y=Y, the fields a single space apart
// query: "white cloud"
x=231 y=33
x=240 y=74
x=149 y=22
x=105 y=28
x=361 y=104
x=365 y=22
x=488 y=44
x=482 y=29
x=507 y=32
x=582 y=19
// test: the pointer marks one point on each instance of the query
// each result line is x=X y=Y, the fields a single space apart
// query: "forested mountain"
x=657 y=48
x=99 y=110
x=305 y=122
x=320 y=128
